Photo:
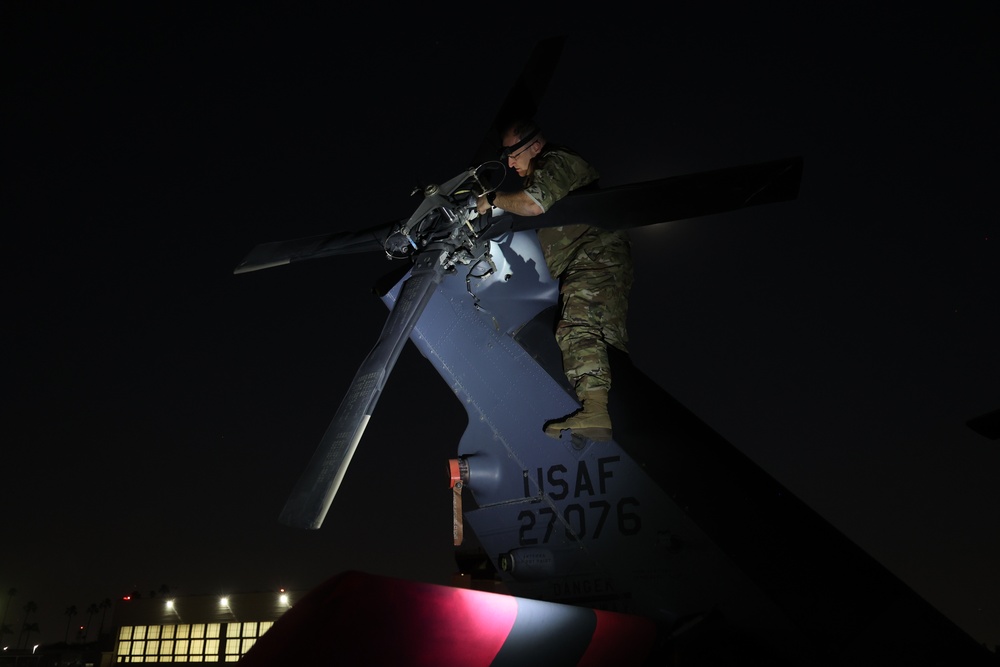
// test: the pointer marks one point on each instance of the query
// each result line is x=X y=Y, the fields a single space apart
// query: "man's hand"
x=483 y=205
x=518 y=203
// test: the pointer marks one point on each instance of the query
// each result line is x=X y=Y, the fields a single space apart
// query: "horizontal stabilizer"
x=355 y=618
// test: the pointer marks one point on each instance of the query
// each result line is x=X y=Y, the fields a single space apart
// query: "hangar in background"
x=197 y=628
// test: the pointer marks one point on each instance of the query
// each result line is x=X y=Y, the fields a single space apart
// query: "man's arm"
x=562 y=172
x=518 y=203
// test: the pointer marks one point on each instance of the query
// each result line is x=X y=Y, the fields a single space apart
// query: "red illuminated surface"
x=357 y=618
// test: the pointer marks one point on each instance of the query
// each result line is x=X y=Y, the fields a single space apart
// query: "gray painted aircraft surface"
x=668 y=521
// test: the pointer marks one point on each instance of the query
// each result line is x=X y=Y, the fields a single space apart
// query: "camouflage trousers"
x=594 y=291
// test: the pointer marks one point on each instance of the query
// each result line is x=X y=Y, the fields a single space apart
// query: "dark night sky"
x=159 y=409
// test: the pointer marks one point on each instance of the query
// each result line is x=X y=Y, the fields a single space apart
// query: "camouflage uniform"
x=594 y=269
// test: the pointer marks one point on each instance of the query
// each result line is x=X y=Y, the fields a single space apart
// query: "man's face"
x=520 y=160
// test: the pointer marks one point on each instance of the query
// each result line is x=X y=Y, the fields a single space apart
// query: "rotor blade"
x=524 y=96
x=987 y=425
x=674 y=198
x=277 y=253
x=314 y=492
x=521 y=102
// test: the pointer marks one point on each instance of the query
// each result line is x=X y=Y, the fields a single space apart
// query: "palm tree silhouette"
x=29 y=608
x=70 y=613
x=28 y=629
x=91 y=610
x=105 y=605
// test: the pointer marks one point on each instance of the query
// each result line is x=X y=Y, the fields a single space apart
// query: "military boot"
x=591 y=421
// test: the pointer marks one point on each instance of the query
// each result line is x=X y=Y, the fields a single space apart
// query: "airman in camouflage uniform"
x=593 y=266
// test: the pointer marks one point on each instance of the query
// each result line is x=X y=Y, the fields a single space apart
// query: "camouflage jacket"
x=557 y=172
